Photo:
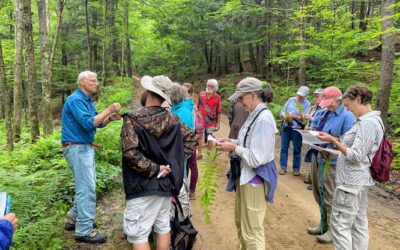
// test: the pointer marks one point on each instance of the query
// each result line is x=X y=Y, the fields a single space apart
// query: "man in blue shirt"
x=79 y=122
x=293 y=113
x=335 y=120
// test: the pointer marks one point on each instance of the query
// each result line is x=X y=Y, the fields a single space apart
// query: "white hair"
x=177 y=94
x=214 y=83
x=84 y=75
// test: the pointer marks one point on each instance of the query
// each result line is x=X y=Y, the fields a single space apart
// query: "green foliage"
x=208 y=183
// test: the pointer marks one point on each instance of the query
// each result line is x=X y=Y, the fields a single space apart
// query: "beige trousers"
x=250 y=207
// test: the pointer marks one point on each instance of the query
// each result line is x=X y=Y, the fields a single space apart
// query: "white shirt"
x=260 y=142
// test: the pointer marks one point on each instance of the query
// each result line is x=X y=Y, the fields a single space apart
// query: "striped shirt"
x=362 y=140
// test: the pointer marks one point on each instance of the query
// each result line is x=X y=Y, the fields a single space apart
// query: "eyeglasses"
x=241 y=97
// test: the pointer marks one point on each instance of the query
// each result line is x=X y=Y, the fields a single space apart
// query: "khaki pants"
x=349 y=223
x=250 y=207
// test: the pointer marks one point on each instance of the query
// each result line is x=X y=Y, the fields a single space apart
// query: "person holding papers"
x=336 y=121
x=292 y=114
x=349 y=222
x=256 y=181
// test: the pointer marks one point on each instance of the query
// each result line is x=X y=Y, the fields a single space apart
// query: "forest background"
x=44 y=44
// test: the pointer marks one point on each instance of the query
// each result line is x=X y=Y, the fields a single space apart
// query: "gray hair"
x=84 y=75
x=177 y=94
x=214 y=83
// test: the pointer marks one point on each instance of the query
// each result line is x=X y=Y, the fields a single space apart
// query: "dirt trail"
x=285 y=222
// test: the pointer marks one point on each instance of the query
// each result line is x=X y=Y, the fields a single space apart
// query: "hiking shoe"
x=192 y=196
x=70 y=225
x=326 y=238
x=93 y=238
x=314 y=230
x=296 y=173
x=282 y=172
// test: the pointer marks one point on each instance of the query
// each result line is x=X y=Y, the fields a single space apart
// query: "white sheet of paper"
x=211 y=138
x=329 y=150
x=310 y=137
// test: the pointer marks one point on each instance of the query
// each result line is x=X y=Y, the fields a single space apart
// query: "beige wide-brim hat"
x=161 y=85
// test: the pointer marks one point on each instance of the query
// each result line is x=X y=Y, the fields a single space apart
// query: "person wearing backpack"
x=255 y=147
x=154 y=145
x=349 y=223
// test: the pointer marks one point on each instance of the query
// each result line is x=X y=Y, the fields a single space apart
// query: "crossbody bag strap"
x=248 y=129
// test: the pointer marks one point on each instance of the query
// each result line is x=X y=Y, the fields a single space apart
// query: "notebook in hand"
x=4 y=206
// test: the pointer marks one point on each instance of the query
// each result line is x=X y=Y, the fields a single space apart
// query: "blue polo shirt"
x=290 y=107
x=337 y=123
x=77 y=119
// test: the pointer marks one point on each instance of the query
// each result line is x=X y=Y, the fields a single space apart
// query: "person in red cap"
x=336 y=121
x=349 y=223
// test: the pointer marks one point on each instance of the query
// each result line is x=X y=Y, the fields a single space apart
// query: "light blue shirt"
x=290 y=107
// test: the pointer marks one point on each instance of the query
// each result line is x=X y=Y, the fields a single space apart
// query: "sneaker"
x=326 y=238
x=296 y=173
x=314 y=230
x=282 y=172
x=192 y=196
x=93 y=238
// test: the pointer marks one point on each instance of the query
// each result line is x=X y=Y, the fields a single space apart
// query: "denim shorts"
x=142 y=213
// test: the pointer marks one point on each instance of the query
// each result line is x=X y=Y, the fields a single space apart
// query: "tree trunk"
x=238 y=59
x=5 y=100
x=129 y=57
x=302 y=61
x=353 y=9
x=31 y=72
x=363 y=25
x=45 y=66
x=111 y=9
x=104 y=49
x=18 y=61
x=261 y=60
x=387 y=61
x=88 y=40
x=217 y=60
x=252 y=58
x=95 y=42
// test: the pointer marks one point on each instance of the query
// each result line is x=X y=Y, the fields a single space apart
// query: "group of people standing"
x=159 y=149
x=158 y=143
x=339 y=182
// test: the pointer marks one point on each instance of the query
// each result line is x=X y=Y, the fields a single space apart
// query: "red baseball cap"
x=329 y=95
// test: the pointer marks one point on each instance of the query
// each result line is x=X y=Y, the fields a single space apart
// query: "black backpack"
x=183 y=234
